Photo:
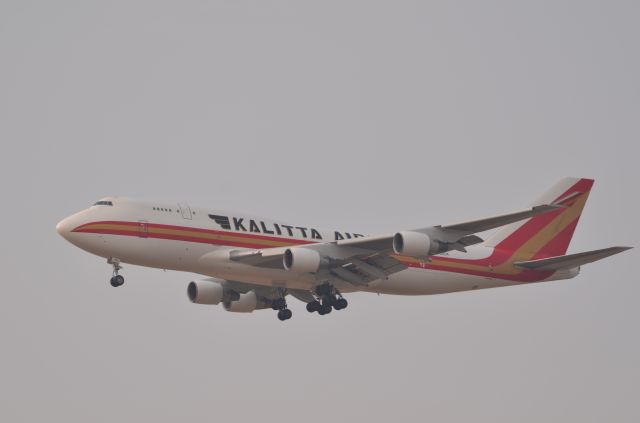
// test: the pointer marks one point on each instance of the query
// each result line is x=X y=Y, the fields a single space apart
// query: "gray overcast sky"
x=366 y=116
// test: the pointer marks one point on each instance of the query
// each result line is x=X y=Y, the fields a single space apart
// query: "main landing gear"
x=117 y=279
x=280 y=304
x=328 y=298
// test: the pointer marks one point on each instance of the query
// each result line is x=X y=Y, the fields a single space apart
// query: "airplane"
x=252 y=263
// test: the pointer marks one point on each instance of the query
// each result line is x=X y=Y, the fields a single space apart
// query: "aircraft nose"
x=64 y=227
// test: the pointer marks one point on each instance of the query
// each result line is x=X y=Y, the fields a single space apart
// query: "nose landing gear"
x=117 y=279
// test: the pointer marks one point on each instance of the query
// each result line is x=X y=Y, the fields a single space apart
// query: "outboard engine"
x=414 y=244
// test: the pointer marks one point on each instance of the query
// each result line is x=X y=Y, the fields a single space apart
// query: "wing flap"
x=571 y=260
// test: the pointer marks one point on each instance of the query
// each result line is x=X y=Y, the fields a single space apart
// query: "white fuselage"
x=198 y=240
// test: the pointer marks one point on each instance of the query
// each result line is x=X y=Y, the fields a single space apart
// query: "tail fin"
x=549 y=234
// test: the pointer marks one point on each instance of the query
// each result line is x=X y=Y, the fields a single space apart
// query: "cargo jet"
x=252 y=263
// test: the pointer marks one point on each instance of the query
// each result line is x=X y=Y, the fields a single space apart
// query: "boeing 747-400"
x=251 y=263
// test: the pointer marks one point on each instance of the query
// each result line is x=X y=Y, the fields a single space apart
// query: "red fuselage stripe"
x=240 y=240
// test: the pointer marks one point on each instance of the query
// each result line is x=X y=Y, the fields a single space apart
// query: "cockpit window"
x=103 y=203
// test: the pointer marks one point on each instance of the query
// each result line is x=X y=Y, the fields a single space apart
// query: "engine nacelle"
x=301 y=260
x=246 y=304
x=205 y=292
x=414 y=244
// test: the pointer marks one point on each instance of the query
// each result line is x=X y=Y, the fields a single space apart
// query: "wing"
x=356 y=265
x=360 y=261
x=457 y=233
x=571 y=260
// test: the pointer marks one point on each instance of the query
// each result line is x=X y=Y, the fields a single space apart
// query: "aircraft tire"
x=117 y=281
x=284 y=314
x=325 y=309
x=313 y=306
x=340 y=304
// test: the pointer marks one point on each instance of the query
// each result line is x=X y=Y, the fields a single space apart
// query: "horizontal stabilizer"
x=570 y=261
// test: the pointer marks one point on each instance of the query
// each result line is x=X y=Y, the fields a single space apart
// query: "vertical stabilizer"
x=549 y=234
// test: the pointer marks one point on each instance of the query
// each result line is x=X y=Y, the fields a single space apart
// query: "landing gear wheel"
x=313 y=306
x=340 y=304
x=326 y=298
x=117 y=281
x=284 y=314
x=324 y=309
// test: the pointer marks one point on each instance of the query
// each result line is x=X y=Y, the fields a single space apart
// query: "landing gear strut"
x=117 y=279
x=327 y=298
x=280 y=304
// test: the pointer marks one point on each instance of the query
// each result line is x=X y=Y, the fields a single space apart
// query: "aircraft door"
x=143 y=229
x=185 y=210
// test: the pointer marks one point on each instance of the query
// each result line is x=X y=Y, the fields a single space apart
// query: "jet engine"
x=301 y=260
x=414 y=244
x=205 y=292
x=245 y=304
